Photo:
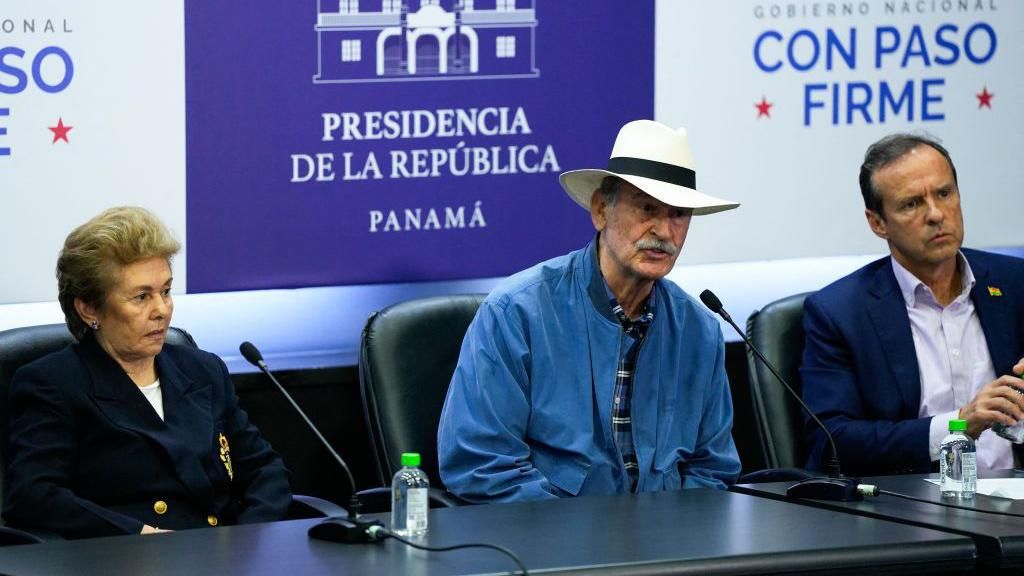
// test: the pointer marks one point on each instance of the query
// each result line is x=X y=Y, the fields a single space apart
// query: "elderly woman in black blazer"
x=120 y=433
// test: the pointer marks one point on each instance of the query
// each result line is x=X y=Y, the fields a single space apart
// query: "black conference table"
x=685 y=532
x=1000 y=539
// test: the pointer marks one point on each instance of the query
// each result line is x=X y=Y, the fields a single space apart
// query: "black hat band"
x=654 y=170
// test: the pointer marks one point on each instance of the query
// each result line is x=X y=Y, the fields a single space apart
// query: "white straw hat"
x=654 y=158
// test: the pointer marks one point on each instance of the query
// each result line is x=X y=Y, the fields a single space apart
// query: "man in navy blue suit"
x=931 y=333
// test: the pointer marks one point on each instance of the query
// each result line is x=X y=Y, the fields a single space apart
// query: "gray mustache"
x=655 y=244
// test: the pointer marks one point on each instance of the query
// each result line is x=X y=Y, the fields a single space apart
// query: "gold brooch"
x=225 y=455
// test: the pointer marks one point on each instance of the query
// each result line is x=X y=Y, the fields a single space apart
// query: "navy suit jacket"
x=89 y=456
x=860 y=372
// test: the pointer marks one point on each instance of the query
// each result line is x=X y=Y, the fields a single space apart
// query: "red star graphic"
x=984 y=98
x=60 y=131
x=763 y=108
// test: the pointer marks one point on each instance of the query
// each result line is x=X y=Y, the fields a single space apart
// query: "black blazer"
x=88 y=455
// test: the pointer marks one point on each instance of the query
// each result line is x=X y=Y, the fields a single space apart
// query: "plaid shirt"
x=633 y=334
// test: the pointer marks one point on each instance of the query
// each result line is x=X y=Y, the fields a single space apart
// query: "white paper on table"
x=1012 y=488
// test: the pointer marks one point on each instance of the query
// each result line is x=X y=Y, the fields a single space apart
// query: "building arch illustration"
x=472 y=48
x=426 y=51
x=389 y=44
x=389 y=52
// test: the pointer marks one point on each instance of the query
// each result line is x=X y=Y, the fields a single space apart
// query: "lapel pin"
x=993 y=291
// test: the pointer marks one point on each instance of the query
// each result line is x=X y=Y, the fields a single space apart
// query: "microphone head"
x=711 y=301
x=250 y=353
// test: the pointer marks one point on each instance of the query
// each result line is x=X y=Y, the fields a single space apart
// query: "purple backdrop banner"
x=365 y=141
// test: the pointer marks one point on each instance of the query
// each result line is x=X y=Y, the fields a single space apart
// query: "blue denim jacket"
x=528 y=412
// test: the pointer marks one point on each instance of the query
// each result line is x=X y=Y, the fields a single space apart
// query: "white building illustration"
x=401 y=40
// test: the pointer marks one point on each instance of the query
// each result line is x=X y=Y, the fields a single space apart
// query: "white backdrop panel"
x=125 y=103
x=797 y=182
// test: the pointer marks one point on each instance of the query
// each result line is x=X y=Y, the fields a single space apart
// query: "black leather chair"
x=778 y=331
x=20 y=346
x=407 y=357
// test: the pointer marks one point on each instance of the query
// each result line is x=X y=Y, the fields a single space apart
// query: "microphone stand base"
x=351 y=530
x=832 y=489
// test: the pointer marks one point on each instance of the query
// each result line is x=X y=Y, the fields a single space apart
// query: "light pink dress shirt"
x=953 y=360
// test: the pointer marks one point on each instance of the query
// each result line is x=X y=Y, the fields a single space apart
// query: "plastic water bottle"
x=409 y=498
x=958 y=471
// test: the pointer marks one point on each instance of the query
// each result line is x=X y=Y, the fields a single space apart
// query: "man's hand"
x=998 y=401
x=147 y=529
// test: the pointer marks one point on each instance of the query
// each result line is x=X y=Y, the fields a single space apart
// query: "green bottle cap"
x=954 y=426
x=412 y=459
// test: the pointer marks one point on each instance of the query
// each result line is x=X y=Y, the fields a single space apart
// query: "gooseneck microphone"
x=352 y=528
x=835 y=487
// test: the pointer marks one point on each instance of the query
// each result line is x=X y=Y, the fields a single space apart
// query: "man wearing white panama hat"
x=589 y=373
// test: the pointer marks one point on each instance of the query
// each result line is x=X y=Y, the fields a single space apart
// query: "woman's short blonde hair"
x=94 y=253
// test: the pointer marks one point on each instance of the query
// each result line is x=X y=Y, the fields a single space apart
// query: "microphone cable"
x=377 y=531
x=947 y=505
